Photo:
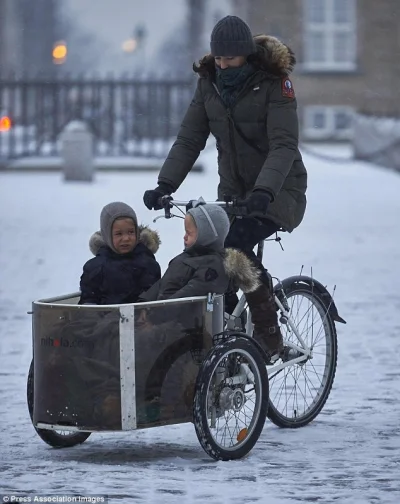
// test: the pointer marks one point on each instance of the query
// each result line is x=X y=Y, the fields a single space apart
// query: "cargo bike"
x=136 y=366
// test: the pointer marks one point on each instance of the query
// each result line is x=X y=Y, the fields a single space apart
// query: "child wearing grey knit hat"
x=199 y=269
x=211 y=226
x=114 y=219
x=124 y=265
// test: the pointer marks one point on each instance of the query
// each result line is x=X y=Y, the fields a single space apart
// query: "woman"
x=246 y=100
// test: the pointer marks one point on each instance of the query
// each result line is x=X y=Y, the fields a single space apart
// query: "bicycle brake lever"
x=169 y=217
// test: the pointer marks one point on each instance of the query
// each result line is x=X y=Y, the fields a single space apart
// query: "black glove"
x=152 y=197
x=258 y=201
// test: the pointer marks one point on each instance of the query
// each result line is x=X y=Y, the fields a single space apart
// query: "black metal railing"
x=126 y=117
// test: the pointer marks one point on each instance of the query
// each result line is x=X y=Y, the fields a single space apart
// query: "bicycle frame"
x=302 y=348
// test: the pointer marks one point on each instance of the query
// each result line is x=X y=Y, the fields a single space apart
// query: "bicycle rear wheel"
x=56 y=439
x=299 y=392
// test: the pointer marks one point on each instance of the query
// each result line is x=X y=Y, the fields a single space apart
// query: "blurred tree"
x=172 y=59
x=27 y=32
x=184 y=45
x=85 y=49
x=196 y=26
x=39 y=33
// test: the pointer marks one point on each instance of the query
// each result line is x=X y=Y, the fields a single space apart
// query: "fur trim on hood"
x=272 y=56
x=147 y=236
x=241 y=270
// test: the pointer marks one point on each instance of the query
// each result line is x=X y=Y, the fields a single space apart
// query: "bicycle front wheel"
x=231 y=399
x=299 y=391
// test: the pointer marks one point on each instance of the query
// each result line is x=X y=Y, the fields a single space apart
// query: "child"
x=199 y=269
x=124 y=265
x=203 y=267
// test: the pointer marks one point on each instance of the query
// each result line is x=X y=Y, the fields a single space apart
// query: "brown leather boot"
x=265 y=319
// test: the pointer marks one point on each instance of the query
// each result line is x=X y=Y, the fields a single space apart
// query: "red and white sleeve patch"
x=287 y=88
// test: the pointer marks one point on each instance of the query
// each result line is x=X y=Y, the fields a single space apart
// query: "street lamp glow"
x=60 y=52
x=129 y=45
x=5 y=123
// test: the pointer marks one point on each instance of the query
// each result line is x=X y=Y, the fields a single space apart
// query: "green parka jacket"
x=191 y=274
x=257 y=137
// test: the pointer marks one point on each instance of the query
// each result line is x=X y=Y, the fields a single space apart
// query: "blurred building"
x=347 y=57
x=28 y=30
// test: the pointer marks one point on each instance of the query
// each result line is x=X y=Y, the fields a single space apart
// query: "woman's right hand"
x=152 y=197
x=258 y=202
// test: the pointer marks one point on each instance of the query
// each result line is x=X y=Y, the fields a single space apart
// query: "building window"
x=328 y=123
x=329 y=35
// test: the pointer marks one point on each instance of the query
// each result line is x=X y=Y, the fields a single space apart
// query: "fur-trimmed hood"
x=241 y=271
x=238 y=267
x=147 y=236
x=272 y=56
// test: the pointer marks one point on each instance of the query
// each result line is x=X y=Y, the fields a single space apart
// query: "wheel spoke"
x=298 y=392
x=237 y=398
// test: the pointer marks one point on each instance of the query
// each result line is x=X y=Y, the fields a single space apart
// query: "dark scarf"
x=230 y=81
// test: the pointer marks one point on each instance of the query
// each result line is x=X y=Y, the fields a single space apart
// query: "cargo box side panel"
x=171 y=341
x=77 y=367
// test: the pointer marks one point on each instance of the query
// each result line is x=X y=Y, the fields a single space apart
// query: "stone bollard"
x=77 y=152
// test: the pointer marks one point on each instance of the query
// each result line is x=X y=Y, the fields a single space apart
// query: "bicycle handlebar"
x=185 y=203
x=235 y=206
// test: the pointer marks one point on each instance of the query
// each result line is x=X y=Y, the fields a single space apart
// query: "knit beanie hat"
x=212 y=225
x=109 y=214
x=231 y=36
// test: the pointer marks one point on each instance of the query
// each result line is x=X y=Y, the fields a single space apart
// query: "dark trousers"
x=244 y=234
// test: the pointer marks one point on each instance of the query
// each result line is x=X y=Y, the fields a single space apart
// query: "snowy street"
x=349 y=455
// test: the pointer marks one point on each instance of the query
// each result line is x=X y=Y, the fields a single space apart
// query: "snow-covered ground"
x=349 y=454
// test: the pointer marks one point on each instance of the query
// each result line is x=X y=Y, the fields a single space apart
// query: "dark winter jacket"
x=257 y=137
x=111 y=278
x=199 y=272
x=192 y=273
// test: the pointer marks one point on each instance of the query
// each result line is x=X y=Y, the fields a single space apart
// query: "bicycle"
x=203 y=367
x=295 y=399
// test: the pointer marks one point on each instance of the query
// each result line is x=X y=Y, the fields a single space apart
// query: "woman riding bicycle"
x=246 y=100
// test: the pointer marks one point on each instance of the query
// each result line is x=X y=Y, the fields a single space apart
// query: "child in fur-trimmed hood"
x=199 y=269
x=204 y=266
x=124 y=265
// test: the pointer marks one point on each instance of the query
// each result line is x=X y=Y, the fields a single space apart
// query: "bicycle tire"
x=246 y=437
x=51 y=437
x=284 y=410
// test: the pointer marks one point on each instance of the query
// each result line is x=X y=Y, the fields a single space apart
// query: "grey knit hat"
x=231 y=36
x=212 y=225
x=109 y=214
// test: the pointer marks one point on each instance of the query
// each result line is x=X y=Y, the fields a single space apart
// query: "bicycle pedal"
x=271 y=359
x=289 y=354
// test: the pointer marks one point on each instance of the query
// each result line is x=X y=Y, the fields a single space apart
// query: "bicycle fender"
x=323 y=292
x=237 y=334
